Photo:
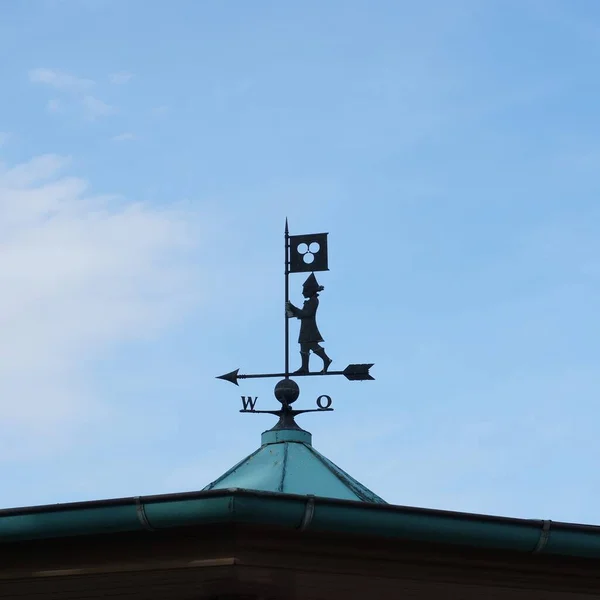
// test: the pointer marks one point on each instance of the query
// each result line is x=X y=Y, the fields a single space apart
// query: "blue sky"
x=149 y=154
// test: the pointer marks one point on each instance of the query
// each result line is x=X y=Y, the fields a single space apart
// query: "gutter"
x=154 y=513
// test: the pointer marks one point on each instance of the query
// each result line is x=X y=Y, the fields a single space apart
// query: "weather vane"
x=303 y=254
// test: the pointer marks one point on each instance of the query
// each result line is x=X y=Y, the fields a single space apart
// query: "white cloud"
x=80 y=273
x=123 y=137
x=120 y=78
x=95 y=108
x=60 y=80
x=29 y=173
x=77 y=87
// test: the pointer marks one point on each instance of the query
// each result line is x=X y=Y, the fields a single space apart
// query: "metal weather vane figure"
x=303 y=254
x=309 y=336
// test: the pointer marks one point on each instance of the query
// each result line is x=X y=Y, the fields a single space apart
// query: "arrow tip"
x=231 y=377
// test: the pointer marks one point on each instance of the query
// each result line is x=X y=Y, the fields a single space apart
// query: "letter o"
x=324 y=401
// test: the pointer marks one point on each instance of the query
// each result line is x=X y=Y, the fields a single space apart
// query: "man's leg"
x=320 y=352
x=304 y=355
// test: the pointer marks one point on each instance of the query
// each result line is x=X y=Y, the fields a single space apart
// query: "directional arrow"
x=233 y=376
x=359 y=372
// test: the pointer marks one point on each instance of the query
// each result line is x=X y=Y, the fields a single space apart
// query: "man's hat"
x=312 y=283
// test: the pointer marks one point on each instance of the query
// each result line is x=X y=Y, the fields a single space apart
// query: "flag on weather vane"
x=308 y=253
x=303 y=254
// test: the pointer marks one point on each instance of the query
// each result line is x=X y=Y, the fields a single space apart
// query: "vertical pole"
x=287 y=297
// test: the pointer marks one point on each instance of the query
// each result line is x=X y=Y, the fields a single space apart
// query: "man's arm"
x=291 y=310
x=308 y=310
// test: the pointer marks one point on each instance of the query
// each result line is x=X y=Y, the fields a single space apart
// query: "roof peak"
x=276 y=436
x=287 y=463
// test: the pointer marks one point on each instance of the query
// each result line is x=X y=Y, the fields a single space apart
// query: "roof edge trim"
x=290 y=511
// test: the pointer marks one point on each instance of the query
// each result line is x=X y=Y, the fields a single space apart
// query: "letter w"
x=249 y=401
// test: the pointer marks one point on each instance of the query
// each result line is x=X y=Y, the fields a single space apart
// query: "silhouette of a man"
x=310 y=335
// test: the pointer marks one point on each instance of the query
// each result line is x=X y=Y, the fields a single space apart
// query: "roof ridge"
x=364 y=493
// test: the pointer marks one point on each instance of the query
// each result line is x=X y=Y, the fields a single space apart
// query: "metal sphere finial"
x=287 y=391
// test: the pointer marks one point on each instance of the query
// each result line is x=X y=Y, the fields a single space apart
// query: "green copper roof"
x=287 y=463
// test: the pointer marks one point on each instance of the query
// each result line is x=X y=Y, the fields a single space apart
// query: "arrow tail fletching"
x=358 y=372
